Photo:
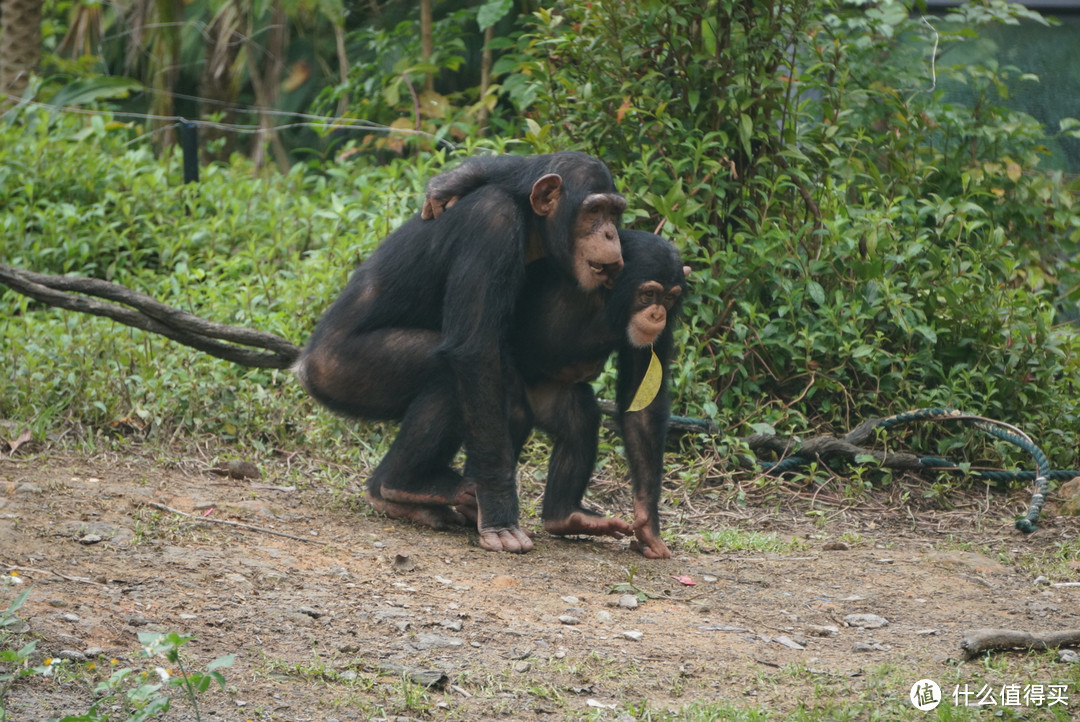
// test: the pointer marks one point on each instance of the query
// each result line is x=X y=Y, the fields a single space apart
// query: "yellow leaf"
x=1013 y=171
x=650 y=385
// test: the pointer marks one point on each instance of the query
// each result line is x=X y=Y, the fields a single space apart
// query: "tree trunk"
x=20 y=46
x=485 y=79
x=427 y=44
x=264 y=69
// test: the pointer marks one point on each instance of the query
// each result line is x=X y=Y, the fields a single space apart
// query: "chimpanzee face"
x=597 y=254
x=649 y=312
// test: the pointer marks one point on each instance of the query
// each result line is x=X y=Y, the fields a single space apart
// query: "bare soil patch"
x=326 y=628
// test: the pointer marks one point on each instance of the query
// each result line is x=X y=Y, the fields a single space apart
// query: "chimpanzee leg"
x=392 y=374
x=521 y=426
x=416 y=469
x=570 y=415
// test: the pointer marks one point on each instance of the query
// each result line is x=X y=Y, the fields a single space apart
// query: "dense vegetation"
x=861 y=244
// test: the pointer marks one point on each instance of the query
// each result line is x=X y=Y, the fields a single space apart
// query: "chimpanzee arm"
x=644 y=436
x=446 y=188
x=481 y=284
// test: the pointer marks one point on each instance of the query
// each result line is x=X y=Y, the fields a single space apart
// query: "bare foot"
x=649 y=543
x=513 y=540
x=467 y=506
x=436 y=517
x=432 y=496
x=587 y=522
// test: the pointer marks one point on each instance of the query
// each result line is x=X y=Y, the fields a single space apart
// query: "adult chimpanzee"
x=421 y=334
x=561 y=341
x=562 y=338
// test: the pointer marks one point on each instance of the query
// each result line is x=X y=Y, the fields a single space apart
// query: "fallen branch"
x=206 y=520
x=983 y=640
x=149 y=314
x=31 y=571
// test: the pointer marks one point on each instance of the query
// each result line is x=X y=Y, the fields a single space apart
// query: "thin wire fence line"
x=308 y=120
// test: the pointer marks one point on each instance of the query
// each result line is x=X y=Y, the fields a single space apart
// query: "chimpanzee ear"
x=545 y=194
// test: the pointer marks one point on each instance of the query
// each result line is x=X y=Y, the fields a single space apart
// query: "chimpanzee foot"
x=514 y=540
x=649 y=543
x=466 y=505
x=584 y=521
x=431 y=496
x=437 y=517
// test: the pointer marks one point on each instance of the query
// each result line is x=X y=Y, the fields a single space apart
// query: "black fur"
x=562 y=338
x=421 y=333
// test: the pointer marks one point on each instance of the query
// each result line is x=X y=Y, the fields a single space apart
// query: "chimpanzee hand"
x=434 y=207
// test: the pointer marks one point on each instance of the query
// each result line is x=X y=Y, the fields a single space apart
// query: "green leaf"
x=492 y=13
x=223 y=661
x=81 y=92
x=746 y=132
x=817 y=293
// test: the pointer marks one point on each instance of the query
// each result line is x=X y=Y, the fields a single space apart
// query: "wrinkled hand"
x=434 y=207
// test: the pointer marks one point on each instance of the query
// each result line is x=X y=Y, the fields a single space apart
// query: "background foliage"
x=862 y=241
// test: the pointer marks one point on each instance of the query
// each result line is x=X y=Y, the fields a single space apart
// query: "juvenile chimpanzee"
x=421 y=334
x=562 y=339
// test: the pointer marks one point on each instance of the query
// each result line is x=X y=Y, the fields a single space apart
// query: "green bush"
x=860 y=245
x=263 y=252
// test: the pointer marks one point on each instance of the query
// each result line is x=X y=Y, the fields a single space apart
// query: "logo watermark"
x=926 y=694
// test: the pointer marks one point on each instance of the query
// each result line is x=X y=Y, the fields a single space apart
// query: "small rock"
x=628 y=601
x=570 y=600
x=788 y=642
x=69 y=617
x=435 y=641
x=700 y=607
x=522 y=666
x=17 y=626
x=1041 y=580
x=603 y=617
x=71 y=654
x=404 y=563
x=709 y=578
x=453 y=625
x=90 y=539
x=311 y=612
x=1068 y=656
x=92 y=652
x=520 y=652
x=569 y=620
x=824 y=630
x=58 y=603
x=862 y=647
x=633 y=635
x=865 y=621
x=835 y=546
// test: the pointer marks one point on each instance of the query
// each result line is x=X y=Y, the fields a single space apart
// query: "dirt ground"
x=355 y=616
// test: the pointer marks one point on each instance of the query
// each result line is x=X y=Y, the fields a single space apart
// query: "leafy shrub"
x=265 y=252
x=860 y=244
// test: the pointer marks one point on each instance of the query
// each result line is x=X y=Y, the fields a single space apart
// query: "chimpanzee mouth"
x=606 y=271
